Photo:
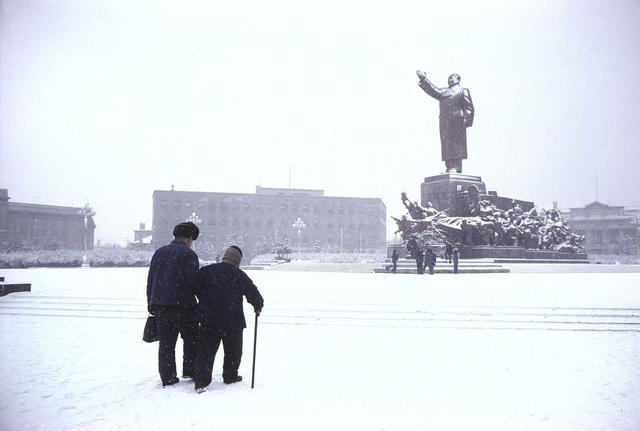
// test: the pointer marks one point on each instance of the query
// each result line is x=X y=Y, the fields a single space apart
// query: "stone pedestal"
x=449 y=191
x=445 y=192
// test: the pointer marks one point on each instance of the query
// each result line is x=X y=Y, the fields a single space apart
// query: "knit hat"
x=186 y=230
x=233 y=255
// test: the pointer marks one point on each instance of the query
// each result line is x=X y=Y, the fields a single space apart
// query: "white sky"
x=109 y=100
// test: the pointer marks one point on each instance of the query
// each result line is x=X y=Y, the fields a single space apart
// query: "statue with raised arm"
x=456 y=114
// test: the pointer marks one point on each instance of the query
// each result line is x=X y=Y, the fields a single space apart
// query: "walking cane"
x=255 y=339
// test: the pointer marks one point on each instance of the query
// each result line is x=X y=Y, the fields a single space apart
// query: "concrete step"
x=267 y=262
x=252 y=267
x=582 y=261
x=492 y=270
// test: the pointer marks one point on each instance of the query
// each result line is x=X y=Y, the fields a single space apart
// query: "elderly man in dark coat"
x=171 y=298
x=220 y=292
x=456 y=114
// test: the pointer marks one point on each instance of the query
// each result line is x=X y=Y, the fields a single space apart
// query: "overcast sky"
x=107 y=101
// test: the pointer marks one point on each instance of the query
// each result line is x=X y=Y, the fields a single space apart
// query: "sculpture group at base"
x=487 y=225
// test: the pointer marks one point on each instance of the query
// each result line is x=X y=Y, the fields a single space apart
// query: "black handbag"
x=150 y=333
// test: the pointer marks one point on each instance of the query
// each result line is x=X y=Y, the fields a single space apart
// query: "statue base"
x=505 y=254
x=449 y=192
x=502 y=254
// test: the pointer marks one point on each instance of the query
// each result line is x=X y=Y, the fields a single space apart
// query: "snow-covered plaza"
x=336 y=351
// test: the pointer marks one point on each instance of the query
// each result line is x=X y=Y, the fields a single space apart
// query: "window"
x=597 y=237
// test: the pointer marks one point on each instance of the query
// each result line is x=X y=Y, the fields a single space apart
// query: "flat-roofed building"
x=331 y=223
x=36 y=226
x=607 y=229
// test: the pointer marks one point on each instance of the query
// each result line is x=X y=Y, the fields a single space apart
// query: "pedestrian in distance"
x=456 y=256
x=448 y=252
x=171 y=283
x=430 y=260
x=220 y=291
x=394 y=260
x=419 y=256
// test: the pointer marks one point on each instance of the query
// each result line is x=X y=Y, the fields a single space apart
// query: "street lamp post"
x=299 y=224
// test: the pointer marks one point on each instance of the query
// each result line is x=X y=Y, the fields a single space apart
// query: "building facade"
x=607 y=229
x=266 y=217
x=35 y=226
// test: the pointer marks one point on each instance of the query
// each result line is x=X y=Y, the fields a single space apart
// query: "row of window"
x=282 y=208
x=599 y=236
x=270 y=223
x=40 y=227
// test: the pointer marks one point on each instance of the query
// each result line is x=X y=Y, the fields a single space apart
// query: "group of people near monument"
x=202 y=305
x=426 y=257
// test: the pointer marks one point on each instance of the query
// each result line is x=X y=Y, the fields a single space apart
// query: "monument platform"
x=473 y=266
x=503 y=254
x=506 y=254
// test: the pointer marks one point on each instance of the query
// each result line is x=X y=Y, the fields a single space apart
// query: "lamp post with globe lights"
x=299 y=225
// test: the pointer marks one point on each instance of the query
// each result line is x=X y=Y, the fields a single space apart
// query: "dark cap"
x=186 y=230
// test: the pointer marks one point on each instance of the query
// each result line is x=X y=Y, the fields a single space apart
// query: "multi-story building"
x=36 y=226
x=607 y=229
x=330 y=223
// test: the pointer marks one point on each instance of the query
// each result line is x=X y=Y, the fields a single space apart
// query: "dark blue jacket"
x=172 y=275
x=220 y=289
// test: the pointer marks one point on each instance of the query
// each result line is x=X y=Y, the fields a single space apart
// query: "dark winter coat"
x=220 y=288
x=172 y=276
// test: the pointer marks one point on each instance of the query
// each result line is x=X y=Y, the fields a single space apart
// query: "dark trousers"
x=171 y=322
x=420 y=265
x=208 y=342
x=395 y=267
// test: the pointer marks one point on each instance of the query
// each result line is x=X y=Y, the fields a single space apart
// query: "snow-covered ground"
x=336 y=351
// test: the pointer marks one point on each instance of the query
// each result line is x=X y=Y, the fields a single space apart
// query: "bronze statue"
x=456 y=114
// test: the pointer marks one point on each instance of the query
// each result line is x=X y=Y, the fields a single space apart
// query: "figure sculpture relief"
x=488 y=225
x=456 y=114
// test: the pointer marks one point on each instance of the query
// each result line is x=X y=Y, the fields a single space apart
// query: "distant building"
x=331 y=223
x=142 y=237
x=35 y=226
x=607 y=229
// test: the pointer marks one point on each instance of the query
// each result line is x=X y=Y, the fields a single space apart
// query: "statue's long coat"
x=456 y=114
